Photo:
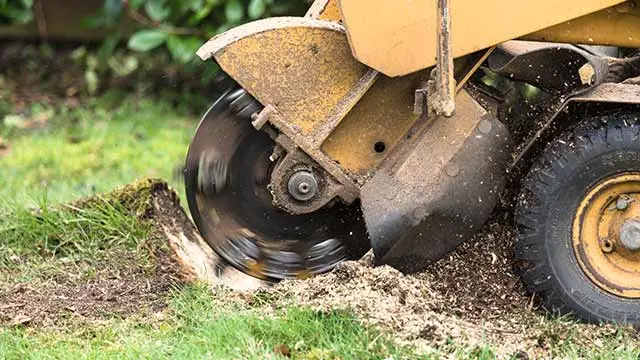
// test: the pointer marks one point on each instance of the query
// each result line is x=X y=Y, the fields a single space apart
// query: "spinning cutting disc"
x=227 y=174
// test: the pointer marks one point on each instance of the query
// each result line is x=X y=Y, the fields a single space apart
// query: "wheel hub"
x=606 y=235
x=630 y=234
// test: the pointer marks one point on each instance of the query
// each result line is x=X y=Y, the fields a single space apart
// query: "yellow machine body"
x=394 y=110
x=396 y=126
x=400 y=37
x=314 y=72
x=343 y=77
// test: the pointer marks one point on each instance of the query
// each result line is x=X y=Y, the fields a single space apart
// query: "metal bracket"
x=438 y=95
x=259 y=120
x=445 y=103
x=422 y=99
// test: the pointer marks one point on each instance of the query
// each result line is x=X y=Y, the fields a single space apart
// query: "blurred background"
x=95 y=94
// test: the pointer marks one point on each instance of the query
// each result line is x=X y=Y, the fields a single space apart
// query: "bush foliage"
x=144 y=34
x=179 y=25
x=16 y=11
x=182 y=25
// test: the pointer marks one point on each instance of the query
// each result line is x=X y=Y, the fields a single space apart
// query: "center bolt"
x=630 y=234
x=303 y=185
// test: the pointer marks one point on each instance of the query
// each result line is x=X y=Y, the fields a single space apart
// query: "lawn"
x=61 y=154
x=205 y=326
x=90 y=280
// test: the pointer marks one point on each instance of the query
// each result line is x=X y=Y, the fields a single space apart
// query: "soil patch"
x=130 y=290
x=470 y=298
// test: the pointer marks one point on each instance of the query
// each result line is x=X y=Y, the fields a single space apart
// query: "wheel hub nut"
x=303 y=186
x=622 y=203
x=630 y=234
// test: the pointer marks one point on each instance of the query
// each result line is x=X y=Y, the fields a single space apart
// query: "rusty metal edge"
x=317 y=8
x=219 y=42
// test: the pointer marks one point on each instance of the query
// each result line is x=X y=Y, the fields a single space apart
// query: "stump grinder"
x=401 y=125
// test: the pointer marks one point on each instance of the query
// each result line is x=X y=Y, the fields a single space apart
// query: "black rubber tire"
x=560 y=178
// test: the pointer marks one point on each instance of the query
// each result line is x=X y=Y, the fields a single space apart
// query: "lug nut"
x=606 y=246
x=303 y=185
x=622 y=203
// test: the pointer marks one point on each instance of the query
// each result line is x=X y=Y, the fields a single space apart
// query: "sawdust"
x=471 y=298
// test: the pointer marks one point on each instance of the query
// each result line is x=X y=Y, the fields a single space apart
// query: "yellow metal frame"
x=320 y=94
x=617 y=26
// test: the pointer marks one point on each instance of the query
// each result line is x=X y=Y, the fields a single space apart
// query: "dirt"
x=125 y=284
x=128 y=291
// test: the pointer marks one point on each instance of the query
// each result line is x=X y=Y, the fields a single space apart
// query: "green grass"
x=111 y=142
x=71 y=231
x=205 y=326
x=39 y=243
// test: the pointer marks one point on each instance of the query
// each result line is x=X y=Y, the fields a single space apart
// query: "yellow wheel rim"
x=606 y=235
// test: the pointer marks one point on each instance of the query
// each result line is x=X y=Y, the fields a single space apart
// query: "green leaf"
x=146 y=40
x=108 y=47
x=157 y=10
x=27 y=4
x=100 y=19
x=113 y=7
x=93 y=81
x=199 y=15
x=18 y=15
x=79 y=53
x=195 y=5
x=234 y=11
x=183 y=49
x=123 y=66
x=257 y=8
x=135 y=4
x=92 y=62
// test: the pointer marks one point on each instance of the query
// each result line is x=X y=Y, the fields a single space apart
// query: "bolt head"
x=622 y=203
x=303 y=186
